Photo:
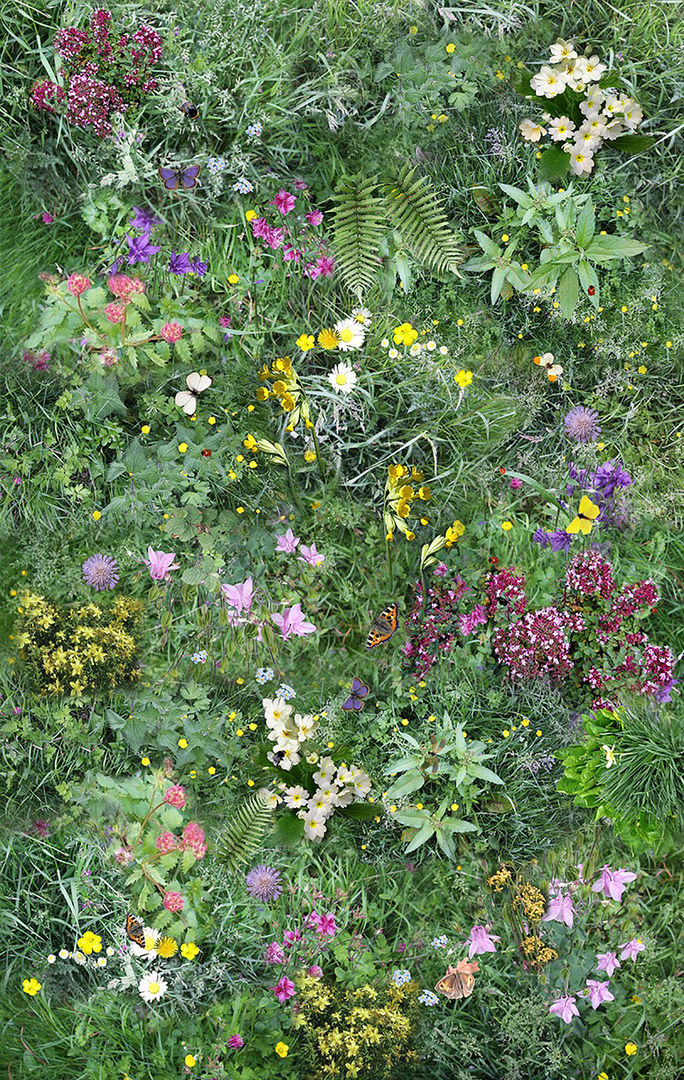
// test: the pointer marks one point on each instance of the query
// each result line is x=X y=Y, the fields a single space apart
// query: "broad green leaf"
x=487 y=244
x=483 y=773
x=607 y=248
x=568 y=290
x=405 y=786
x=421 y=837
x=554 y=163
x=632 y=144
x=498 y=281
x=586 y=224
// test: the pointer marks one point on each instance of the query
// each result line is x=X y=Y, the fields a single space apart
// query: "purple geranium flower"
x=140 y=249
x=310 y=555
x=239 y=596
x=631 y=949
x=565 y=1008
x=287 y=542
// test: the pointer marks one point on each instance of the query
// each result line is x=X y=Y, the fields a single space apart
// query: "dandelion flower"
x=151 y=987
x=582 y=425
x=100 y=572
x=342 y=378
x=167 y=947
x=263 y=882
x=328 y=339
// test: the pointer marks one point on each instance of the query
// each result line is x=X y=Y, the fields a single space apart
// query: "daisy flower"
x=149 y=950
x=362 y=315
x=151 y=987
x=350 y=334
x=342 y=378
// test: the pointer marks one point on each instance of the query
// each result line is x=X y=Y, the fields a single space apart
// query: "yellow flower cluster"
x=531 y=900
x=536 y=952
x=287 y=388
x=401 y=489
x=500 y=879
x=70 y=651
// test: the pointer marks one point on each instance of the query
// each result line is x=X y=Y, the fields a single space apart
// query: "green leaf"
x=553 y=164
x=568 y=290
x=607 y=248
x=421 y=837
x=359 y=811
x=487 y=244
x=456 y=825
x=498 y=281
x=586 y=225
x=194 y=575
x=483 y=773
x=633 y=144
x=406 y=785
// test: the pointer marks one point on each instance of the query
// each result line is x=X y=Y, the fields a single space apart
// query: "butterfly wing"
x=352 y=702
x=170 y=177
x=188 y=177
x=585 y=526
x=588 y=509
x=187 y=402
x=359 y=689
x=198 y=383
x=452 y=984
x=574 y=526
x=383 y=627
x=135 y=931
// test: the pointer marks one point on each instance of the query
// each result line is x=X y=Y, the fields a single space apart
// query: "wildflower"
x=463 y=378
x=612 y=882
x=314 y=217
x=167 y=947
x=175 y=796
x=440 y=942
x=171 y=332
x=405 y=334
x=506 y=526
x=189 y=950
x=281 y=1049
x=530 y=131
x=77 y=284
x=631 y=1049
x=305 y=342
x=469 y=622
x=90 y=943
x=599 y=992
x=610 y=754
x=328 y=339
x=560 y=910
x=565 y=1008
x=631 y=949
x=116 y=313
x=263 y=882
x=284 y=989
x=581 y=424
x=292 y=621
x=401 y=976
x=239 y=596
x=581 y=161
x=151 y=987
x=190 y=1060
x=179 y=264
x=284 y=201
x=174 y=902
x=31 y=986
x=480 y=941
x=428 y=997
x=100 y=572
x=548 y=82
x=143 y=219
x=561 y=128
x=160 y=563
x=287 y=542
x=350 y=334
x=342 y=378
x=140 y=248
x=264 y=675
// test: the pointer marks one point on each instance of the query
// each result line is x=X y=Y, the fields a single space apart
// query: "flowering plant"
x=294 y=240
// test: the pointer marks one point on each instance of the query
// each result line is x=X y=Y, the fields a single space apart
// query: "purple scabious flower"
x=263 y=882
x=582 y=425
x=100 y=572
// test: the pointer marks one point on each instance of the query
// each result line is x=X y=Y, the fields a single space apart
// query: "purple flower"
x=469 y=622
x=608 y=962
x=480 y=941
x=565 y=1008
x=200 y=268
x=325 y=266
x=515 y=484
x=143 y=219
x=275 y=954
x=263 y=882
x=287 y=542
x=284 y=989
x=284 y=201
x=292 y=621
x=140 y=248
x=559 y=540
x=560 y=910
x=324 y=924
x=179 y=264
x=441 y=570
x=599 y=992
x=315 y=971
x=612 y=882
x=310 y=555
x=608 y=477
x=631 y=949
x=664 y=695
x=239 y=596
x=236 y=1042
x=160 y=563
x=581 y=424
x=100 y=572
x=314 y=217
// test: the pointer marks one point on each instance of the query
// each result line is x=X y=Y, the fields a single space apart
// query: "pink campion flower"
x=166 y=842
x=173 y=901
x=314 y=217
x=284 y=989
x=480 y=941
x=284 y=201
x=612 y=882
x=171 y=331
x=160 y=563
x=292 y=621
x=77 y=284
x=236 y=1042
x=300 y=185
x=47 y=218
x=326 y=265
x=560 y=910
x=324 y=924
x=608 y=962
x=311 y=556
x=275 y=954
x=565 y=1008
x=599 y=992
x=291 y=254
x=315 y=971
x=239 y=596
x=116 y=313
x=175 y=796
x=631 y=949
x=287 y=542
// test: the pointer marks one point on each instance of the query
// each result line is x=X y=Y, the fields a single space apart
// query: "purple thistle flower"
x=582 y=425
x=100 y=572
x=263 y=882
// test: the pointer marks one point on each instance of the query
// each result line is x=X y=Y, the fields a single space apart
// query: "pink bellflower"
x=560 y=910
x=598 y=992
x=612 y=882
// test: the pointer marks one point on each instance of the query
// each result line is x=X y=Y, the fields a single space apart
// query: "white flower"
x=431 y=346
x=284 y=758
x=633 y=114
x=613 y=129
x=350 y=334
x=312 y=758
x=587 y=139
x=361 y=782
x=561 y=128
x=530 y=131
x=64 y=954
x=272 y=800
x=286 y=741
x=594 y=100
x=362 y=315
x=295 y=797
x=416 y=349
x=329 y=793
x=562 y=50
x=596 y=125
x=152 y=939
x=51 y=958
x=151 y=987
x=101 y=962
x=314 y=828
x=306 y=727
x=325 y=771
x=109 y=950
x=581 y=161
x=342 y=378
x=276 y=711
x=574 y=72
x=593 y=69
x=613 y=105
x=385 y=343
x=80 y=958
x=548 y=82
x=320 y=806
x=393 y=354
x=344 y=775
x=443 y=350
x=345 y=797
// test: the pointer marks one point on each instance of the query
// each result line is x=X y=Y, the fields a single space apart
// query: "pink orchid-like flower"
x=480 y=941
x=608 y=962
x=565 y=1008
x=284 y=989
x=310 y=555
x=324 y=924
x=239 y=596
x=598 y=992
x=631 y=949
x=160 y=563
x=236 y=1042
x=284 y=201
x=287 y=542
x=560 y=910
x=314 y=217
x=612 y=882
x=292 y=621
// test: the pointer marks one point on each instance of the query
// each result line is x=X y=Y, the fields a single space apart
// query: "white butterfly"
x=186 y=399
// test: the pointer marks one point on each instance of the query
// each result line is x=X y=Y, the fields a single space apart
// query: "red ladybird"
x=206 y=453
x=591 y=290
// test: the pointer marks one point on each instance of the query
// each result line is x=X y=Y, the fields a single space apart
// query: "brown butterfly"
x=458 y=981
x=135 y=930
x=383 y=626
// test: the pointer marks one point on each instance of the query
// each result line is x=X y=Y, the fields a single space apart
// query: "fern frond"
x=245 y=833
x=358 y=227
x=417 y=215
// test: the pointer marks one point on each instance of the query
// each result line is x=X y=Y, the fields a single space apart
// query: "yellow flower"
x=233 y=279
x=451 y=47
x=250 y=215
x=281 y=1049
x=190 y=1061
x=262 y=393
x=397 y=471
x=327 y=339
x=505 y=237
x=189 y=950
x=310 y=456
x=631 y=1049
x=96 y=515
x=211 y=420
x=183 y=743
x=182 y=447
x=90 y=943
x=145 y=429
x=642 y=369
x=463 y=378
x=31 y=986
x=455 y=531
x=305 y=342
x=506 y=526
x=145 y=761
x=167 y=947
x=403 y=509
x=602 y=1076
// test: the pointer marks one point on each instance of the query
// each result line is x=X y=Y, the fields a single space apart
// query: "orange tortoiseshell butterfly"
x=458 y=981
x=135 y=931
x=383 y=626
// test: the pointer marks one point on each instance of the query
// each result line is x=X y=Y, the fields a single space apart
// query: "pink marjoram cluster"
x=535 y=645
x=590 y=575
x=77 y=284
x=173 y=902
x=435 y=632
x=171 y=331
x=506 y=594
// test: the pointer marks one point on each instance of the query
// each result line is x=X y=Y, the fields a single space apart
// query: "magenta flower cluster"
x=192 y=840
x=295 y=239
x=434 y=633
x=537 y=644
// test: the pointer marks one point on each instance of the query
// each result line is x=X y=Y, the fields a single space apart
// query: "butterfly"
x=186 y=178
x=135 y=930
x=588 y=512
x=383 y=626
x=186 y=399
x=189 y=110
x=458 y=981
x=551 y=369
x=359 y=691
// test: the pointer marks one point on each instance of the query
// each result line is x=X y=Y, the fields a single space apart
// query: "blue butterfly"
x=186 y=178
x=359 y=691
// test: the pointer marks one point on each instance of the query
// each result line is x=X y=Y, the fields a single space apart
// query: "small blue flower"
x=243 y=187
x=286 y=692
x=400 y=976
x=440 y=942
x=216 y=165
x=428 y=998
x=254 y=130
x=199 y=657
x=264 y=675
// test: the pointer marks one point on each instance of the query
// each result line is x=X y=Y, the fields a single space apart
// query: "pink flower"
x=77 y=284
x=287 y=542
x=121 y=285
x=275 y=954
x=314 y=971
x=515 y=483
x=175 y=796
x=124 y=855
x=314 y=217
x=631 y=949
x=47 y=218
x=290 y=936
x=284 y=201
x=480 y=941
x=160 y=563
x=612 y=882
x=300 y=185
x=599 y=992
x=325 y=265
x=236 y=1042
x=291 y=254
x=116 y=313
x=469 y=622
x=311 y=556
x=166 y=842
x=239 y=596
x=284 y=989
x=311 y=270
x=325 y=924
x=193 y=839
x=173 y=901
x=171 y=331
x=292 y=621
x=441 y=570
x=565 y=1008
x=607 y=962
x=560 y=910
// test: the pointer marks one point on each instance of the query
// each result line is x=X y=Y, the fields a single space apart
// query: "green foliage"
x=250 y=824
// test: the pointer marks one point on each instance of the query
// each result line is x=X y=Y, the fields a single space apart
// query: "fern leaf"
x=418 y=217
x=246 y=832
x=358 y=227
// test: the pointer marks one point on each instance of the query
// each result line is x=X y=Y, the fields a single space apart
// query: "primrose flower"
x=530 y=131
x=548 y=82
